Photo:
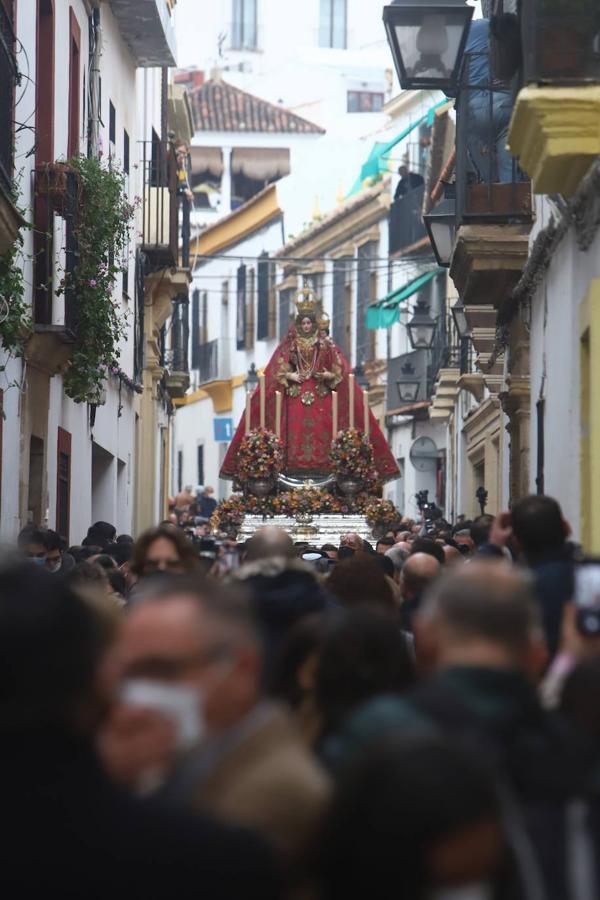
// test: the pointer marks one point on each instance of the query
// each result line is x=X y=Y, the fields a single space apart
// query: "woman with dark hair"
x=361 y=656
x=360 y=582
x=163 y=549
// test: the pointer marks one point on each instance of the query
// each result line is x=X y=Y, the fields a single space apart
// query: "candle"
x=278 y=413
x=366 y=414
x=261 y=382
x=334 y=413
x=350 y=401
x=248 y=413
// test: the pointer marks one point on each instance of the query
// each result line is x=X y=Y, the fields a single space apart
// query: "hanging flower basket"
x=52 y=182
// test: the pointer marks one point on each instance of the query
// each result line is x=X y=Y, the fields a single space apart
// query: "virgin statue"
x=306 y=368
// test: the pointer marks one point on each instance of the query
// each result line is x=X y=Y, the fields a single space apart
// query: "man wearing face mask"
x=190 y=653
x=57 y=559
x=32 y=544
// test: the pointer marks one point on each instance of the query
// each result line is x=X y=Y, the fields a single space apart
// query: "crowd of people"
x=417 y=717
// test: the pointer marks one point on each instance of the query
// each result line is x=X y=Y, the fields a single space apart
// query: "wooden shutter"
x=196 y=329
x=241 y=309
x=63 y=484
x=250 y=307
x=262 y=314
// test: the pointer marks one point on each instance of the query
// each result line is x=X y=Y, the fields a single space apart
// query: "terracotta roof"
x=218 y=106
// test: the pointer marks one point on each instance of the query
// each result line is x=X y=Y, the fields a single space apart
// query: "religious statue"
x=304 y=397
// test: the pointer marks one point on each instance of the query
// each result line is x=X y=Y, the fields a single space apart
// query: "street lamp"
x=421 y=328
x=460 y=319
x=427 y=41
x=408 y=385
x=441 y=228
x=251 y=379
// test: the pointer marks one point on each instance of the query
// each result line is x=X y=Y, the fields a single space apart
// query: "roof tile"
x=218 y=106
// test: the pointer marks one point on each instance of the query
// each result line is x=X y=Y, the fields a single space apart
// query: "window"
x=539 y=478
x=199 y=325
x=250 y=306
x=125 y=152
x=63 y=483
x=264 y=315
x=341 y=324
x=240 y=330
x=365 y=282
x=200 y=464
x=285 y=302
x=243 y=26
x=74 y=44
x=112 y=130
x=364 y=101
x=179 y=470
x=332 y=24
x=44 y=153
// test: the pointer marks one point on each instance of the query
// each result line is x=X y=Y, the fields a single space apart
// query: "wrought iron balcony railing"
x=211 y=360
x=406 y=226
x=180 y=335
x=490 y=186
x=159 y=204
x=9 y=77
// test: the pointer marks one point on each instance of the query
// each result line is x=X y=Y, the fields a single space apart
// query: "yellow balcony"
x=555 y=135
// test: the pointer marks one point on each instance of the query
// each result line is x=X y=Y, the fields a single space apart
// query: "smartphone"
x=587 y=597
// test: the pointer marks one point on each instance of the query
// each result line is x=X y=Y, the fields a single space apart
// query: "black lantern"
x=251 y=379
x=460 y=319
x=408 y=385
x=427 y=41
x=561 y=41
x=441 y=228
x=421 y=328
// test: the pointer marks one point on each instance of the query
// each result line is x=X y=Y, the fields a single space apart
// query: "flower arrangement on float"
x=229 y=514
x=260 y=456
x=351 y=456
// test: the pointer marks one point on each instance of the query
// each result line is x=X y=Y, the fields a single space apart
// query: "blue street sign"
x=223 y=429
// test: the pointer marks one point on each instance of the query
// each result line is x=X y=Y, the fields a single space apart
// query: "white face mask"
x=483 y=890
x=179 y=703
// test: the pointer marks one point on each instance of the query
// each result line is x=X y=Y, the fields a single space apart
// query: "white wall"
x=555 y=370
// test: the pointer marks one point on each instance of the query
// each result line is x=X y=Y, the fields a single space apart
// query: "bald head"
x=269 y=541
x=452 y=555
x=485 y=603
x=419 y=570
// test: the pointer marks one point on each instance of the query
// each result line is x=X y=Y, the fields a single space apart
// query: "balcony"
x=159 y=205
x=212 y=363
x=493 y=196
x=10 y=220
x=177 y=378
x=147 y=28
x=406 y=226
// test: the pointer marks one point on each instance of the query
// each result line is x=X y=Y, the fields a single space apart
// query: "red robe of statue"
x=306 y=415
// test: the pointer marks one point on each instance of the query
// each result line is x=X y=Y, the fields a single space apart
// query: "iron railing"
x=406 y=225
x=213 y=361
x=159 y=204
x=180 y=335
x=9 y=78
x=490 y=186
x=561 y=42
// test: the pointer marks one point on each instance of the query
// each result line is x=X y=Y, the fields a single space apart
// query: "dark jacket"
x=70 y=832
x=538 y=759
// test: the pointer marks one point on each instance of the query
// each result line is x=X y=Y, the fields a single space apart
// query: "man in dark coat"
x=68 y=830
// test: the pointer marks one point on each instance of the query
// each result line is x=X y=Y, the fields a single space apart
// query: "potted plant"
x=52 y=182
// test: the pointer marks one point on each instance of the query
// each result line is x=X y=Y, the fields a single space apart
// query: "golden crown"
x=323 y=321
x=306 y=302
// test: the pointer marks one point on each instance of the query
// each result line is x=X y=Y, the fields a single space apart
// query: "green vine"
x=15 y=314
x=102 y=229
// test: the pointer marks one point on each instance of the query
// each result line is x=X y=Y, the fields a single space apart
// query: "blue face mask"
x=38 y=560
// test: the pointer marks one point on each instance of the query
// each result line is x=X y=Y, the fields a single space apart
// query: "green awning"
x=378 y=157
x=386 y=312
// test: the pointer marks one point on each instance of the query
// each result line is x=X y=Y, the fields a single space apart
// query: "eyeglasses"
x=165 y=668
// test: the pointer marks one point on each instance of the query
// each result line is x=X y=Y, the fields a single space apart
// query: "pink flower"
x=92 y=282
